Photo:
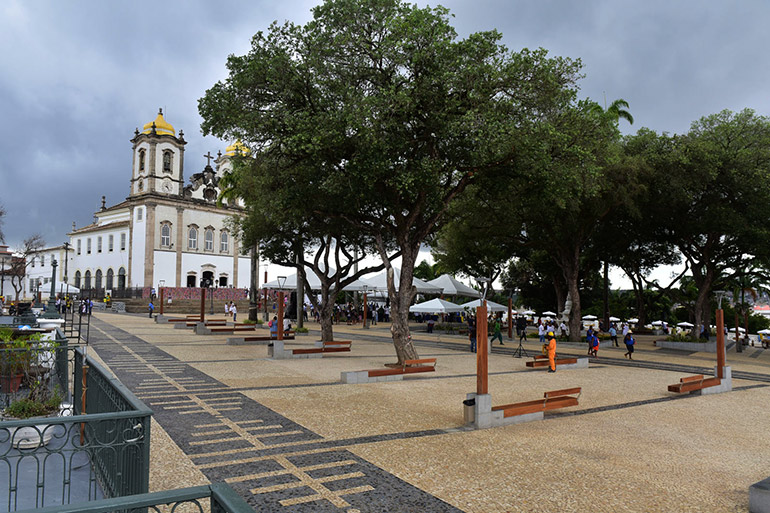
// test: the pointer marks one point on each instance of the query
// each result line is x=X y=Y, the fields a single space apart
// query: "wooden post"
x=510 y=317
x=738 y=347
x=203 y=303
x=280 y=315
x=161 y=300
x=720 y=343
x=83 y=404
x=365 y=307
x=482 y=359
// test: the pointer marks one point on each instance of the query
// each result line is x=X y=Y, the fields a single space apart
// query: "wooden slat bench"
x=389 y=373
x=551 y=401
x=542 y=361
x=331 y=346
x=692 y=383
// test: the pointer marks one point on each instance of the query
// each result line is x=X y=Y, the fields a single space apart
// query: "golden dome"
x=237 y=148
x=162 y=126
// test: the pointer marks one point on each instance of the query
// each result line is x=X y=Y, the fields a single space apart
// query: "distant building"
x=165 y=233
x=763 y=310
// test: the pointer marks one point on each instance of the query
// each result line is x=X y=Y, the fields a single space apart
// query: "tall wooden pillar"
x=161 y=300
x=482 y=357
x=510 y=317
x=720 y=343
x=203 y=303
x=280 y=315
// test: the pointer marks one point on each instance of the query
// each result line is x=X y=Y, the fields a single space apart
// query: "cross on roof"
x=208 y=156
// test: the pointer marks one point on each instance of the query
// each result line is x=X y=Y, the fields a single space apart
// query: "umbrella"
x=685 y=325
x=589 y=317
x=452 y=287
x=435 y=306
x=764 y=332
x=633 y=321
x=657 y=323
x=380 y=282
x=491 y=306
x=313 y=282
x=614 y=319
x=528 y=312
x=741 y=330
x=549 y=314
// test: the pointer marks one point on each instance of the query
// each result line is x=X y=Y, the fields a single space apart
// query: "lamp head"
x=281 y=281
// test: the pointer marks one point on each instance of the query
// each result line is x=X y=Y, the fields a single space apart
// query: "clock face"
x=167 y=186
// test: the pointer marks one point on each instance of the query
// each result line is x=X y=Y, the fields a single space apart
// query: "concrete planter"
x=708 y=347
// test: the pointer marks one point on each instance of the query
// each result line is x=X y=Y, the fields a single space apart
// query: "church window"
x=87 y=284
x=167 y=158
x=165 y=235
x=110 y=276
x=141 y=160
x=122 y=278
x=138 y=214
x=122 y=242
x=88 y=246
x=110 y=243
x=224 y=243
x=77 y=279
x=42 y=260
x=98 y=245
x=98 y=284
x=192 y=238
x=209 y=237
x=33 y=261
x=79 y=246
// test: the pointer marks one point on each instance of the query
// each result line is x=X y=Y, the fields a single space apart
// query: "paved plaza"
x=290 y=438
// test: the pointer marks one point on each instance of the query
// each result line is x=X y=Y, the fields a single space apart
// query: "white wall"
x=137 y=249
x=165 y=269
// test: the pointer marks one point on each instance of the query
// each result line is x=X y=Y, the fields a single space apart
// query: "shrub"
x=29 y=407
x=682 y=337
x=301 y=330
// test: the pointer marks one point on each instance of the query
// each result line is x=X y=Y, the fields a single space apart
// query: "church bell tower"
x=158 y=164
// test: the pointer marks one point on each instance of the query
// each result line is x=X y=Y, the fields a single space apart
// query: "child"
x=595 y=346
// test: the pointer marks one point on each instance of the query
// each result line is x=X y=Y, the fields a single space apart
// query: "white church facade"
x=165 y=233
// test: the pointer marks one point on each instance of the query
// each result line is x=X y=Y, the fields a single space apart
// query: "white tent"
x=313 y=281
x=435 y=306
x=452 y=287
x=633 y=321
x=685 y=325
x=549 y=314
x=657 y=323
x=764 y=332
x=380 y=282
x=589 y=317
x=529 y=312
x=491 y=306
x=61 y=288
x=614 y=319
x=740 y=330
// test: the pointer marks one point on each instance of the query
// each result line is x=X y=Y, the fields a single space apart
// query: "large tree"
x=23 y=259
x=392 y=113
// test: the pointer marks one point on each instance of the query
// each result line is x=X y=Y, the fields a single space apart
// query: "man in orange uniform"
x=551 y=347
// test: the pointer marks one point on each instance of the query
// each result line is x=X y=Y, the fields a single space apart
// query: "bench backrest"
x=558 y=393
x=337 y=343
x=690 y=379
x=423 y=361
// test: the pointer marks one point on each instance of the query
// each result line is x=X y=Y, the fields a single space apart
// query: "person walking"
x=498 y=333
x=472 y=333
x=563 y=329
x=541 y=331
x=150 y=308
x=614 y=334
x=551 y=349
x=629 y=341
x=594 y=345
x=273 y=325
x=233 y=311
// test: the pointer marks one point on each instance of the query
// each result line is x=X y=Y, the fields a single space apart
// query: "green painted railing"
x=221 y=499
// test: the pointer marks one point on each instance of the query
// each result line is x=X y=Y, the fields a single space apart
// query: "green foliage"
x=301 y=330
x=29 y=407
x=683 y=337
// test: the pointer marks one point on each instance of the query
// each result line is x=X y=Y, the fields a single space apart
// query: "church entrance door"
x=207 y=279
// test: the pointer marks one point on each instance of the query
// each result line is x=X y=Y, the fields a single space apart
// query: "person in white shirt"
x=233 y=310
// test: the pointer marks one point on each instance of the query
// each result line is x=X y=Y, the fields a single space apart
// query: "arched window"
x=141 y=160
x=209 y=238
x=224 y=243
x=110 y=275
x=77 y=279
x=42 y=260
x=88 y=246
x=192 y=238
x=165 y=235
x=167 y=159
x=122 y=278
x=87 y=284
x=98 y=280
x=111 y=243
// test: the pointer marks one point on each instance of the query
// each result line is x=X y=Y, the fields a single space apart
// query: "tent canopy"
x=491 y=306
x=589 y=317
x=313 y=282
x=452 y=287
x=685 y=325
x=549 y=314
x=380 y=282
x=435 y=306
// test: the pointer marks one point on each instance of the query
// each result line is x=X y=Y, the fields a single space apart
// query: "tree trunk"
x=701 y=307
x=399 y=306
x=606 y=296
x=570 y=265
x=325 y=314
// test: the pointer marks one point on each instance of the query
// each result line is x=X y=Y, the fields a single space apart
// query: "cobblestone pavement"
x=290 y=437
x=276 y=464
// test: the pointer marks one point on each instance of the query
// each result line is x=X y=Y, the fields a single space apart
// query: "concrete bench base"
x=252 y=341
x=277 y=351
x=481 y=415
x=759 y=497
x=726 y=384
x=355 y=377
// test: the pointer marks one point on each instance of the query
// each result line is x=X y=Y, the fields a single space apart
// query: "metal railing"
x=77 y=457
x=221 y=499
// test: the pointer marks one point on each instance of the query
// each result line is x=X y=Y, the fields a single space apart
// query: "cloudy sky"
x=77 y=77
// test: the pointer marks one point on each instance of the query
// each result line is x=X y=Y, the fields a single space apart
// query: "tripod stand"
x=520 y=351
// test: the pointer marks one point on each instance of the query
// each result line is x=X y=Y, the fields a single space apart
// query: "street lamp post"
x=281 y=282
x=366 y=306
x=66 y=259
x=720 y=315
x=51 y=311
x=3 y=259
x=211 y=311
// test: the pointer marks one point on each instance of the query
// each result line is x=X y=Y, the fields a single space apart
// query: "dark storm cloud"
x=78 y=77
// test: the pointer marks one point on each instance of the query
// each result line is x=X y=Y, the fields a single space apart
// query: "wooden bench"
x=230 y=329
x=692 y=383
x=331 y=346
x=409 y=367
x=542 y=361
x=192 y=324
x=551 y=401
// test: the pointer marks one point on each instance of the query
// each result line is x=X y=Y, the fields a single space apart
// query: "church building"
x=165 y=233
